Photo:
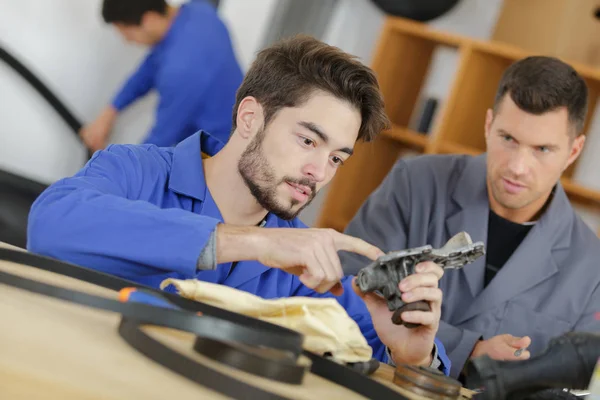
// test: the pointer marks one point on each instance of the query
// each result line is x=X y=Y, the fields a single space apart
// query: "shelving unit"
x=401 y=62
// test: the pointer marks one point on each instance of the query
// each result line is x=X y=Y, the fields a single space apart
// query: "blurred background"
x=83 y=62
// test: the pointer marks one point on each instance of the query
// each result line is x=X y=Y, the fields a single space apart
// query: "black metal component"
x=384 y=274
x=567 y=363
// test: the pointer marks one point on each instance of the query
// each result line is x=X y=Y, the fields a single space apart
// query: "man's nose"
x=316 y=170
x=519 y=161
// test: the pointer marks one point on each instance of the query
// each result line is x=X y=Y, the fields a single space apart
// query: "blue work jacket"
x=196 y=74
x=145 y=213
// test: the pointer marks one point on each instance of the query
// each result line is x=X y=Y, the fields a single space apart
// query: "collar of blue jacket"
x=187 y=171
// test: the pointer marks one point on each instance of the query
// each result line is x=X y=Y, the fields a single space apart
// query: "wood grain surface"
x=52 y=349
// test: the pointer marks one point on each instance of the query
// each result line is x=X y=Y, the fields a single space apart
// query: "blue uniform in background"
x=196 y=74
x=145 y=213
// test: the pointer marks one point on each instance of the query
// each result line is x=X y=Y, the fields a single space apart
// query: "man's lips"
x=514 y=183
x=512 y=186
x=304 y=189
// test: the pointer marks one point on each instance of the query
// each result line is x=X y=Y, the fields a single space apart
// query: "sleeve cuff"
x=208 y=256
x=435 y=360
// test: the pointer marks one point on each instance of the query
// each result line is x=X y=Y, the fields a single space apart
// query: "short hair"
x=539 y=84
x=287 y=73
x=130 y=12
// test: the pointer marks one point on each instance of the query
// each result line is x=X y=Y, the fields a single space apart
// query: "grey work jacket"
x=549 y=286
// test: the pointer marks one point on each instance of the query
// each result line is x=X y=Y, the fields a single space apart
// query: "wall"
x=83 y=61
x=248 y=22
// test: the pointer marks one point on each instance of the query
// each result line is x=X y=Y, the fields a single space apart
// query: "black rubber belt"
x=275 y=365
x=42 y=89
x=213 y=329
x=131 y=331
x=214 y=325
x=61 y=109
x=351 y=379
x=224 y=338
x=235 y=327
x=346 y=377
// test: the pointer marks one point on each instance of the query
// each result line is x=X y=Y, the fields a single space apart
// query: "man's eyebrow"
x=549 y=146
x=314 y=128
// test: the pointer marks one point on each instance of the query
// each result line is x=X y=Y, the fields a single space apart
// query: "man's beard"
x=260 y=178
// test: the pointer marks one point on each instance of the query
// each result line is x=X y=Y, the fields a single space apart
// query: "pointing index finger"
x=356 y=245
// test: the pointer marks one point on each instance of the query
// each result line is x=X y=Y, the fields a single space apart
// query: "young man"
x=191 y=65
x=540 y=277
x=147 y=213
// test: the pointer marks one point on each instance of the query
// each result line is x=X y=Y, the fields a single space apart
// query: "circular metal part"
x=427 y=382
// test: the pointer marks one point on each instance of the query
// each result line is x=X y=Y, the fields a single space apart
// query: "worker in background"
x=146 y=213
x=191 y=64
x=541 y=274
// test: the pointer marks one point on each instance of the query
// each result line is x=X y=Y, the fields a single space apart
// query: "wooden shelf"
x=423 y=31
x=407 y=137
x=580 y=194
x=455 y=148
x=401 y=63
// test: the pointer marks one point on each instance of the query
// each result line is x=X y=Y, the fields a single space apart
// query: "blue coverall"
x=145 y=213
x=195 y=73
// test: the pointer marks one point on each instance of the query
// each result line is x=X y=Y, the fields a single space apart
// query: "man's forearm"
x=228 y=243
x=237 y=243
x=137 y=85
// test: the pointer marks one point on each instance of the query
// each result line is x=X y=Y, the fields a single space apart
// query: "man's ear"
x=250 y=117
x=576 y=149
x=489 y=118
x=149 y=18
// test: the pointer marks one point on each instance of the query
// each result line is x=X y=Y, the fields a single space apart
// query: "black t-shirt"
x=504 y=237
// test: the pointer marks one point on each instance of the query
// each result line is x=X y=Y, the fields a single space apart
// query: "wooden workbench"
x=52 y=349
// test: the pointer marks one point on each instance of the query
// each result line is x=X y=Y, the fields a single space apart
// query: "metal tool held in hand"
x=385 y=274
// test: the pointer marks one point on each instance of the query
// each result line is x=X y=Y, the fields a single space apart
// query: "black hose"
x=17 y=193
x=43 y=90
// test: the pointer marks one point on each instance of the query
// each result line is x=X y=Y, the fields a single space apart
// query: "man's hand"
x=309 y=253
x=503 y=347
x=95 y=135
x=409 y=346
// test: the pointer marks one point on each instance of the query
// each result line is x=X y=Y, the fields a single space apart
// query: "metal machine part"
x=427 y=382
x=568 y=362
x=384 y=274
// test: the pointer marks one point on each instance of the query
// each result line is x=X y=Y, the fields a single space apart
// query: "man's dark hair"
x=540 y=84
x=287 y=73
x=130 y=12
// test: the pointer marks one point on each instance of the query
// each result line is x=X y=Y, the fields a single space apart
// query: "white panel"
x=248 y=23
x=66 y=43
